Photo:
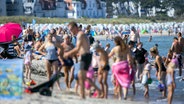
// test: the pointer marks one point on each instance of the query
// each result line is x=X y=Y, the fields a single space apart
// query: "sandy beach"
x=62 y=97
x=69 y=97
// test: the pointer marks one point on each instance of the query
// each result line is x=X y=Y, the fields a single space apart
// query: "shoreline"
x=103 y=37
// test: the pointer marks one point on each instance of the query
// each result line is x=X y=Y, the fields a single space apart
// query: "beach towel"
x=121 y=73
x=11 y=71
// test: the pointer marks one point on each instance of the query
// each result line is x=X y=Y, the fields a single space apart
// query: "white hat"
x=147 y=67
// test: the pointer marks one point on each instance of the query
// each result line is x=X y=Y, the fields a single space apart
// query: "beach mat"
x=11 y=71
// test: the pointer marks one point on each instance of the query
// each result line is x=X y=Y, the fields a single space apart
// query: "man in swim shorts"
x=83 y=49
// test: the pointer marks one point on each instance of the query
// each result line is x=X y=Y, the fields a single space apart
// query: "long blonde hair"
x=119 y=42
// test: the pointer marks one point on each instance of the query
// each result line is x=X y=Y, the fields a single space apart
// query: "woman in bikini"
x=122 y=65
x=53 y=53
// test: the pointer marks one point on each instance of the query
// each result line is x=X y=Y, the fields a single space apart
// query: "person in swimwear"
x=145 y=76
x=53 y=52
x=134 y=36
x=121 y=66
x=103 y=69
x=171 y=79
x=160 y=67
x=133 y=71
x=68 y=63
x=177 y=49
x=83 y=49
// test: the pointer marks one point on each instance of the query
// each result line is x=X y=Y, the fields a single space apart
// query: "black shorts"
x=68 y=62
x=107 y=68
x=85 y=61
x=95 y=69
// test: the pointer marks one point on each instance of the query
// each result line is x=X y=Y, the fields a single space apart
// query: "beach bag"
x=149 y=81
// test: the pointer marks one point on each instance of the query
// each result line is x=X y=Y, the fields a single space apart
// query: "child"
x=76 y=71
x=27 y=61
x=170 y=78
x=145 y=77
x=103 y=69
x=89 y=74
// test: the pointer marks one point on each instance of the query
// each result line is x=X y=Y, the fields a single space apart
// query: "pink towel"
x=121 y=73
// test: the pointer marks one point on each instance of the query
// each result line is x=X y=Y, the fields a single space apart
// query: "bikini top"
x=51 y=53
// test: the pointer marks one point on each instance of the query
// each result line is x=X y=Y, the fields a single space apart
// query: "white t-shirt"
x=27 y=57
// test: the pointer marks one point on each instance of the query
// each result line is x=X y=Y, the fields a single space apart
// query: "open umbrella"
x=8 y=30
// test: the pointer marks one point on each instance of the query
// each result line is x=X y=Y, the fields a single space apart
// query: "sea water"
x=164 y=44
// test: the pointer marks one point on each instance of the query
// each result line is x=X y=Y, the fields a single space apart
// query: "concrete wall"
x=3 y=8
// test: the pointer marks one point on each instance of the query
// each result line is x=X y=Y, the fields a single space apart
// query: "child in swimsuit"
x=145 y=76
x=103 y=69
x=89 y=74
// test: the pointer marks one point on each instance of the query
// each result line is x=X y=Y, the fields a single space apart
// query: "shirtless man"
x=83 y=49
x=176 y=48
x=134 y=36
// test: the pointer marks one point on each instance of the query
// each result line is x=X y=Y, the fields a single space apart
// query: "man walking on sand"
x=83 y=49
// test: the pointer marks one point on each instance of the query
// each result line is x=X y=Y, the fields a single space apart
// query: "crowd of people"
x=82 y=58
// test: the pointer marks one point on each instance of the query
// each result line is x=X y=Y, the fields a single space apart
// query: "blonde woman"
x=121 y=67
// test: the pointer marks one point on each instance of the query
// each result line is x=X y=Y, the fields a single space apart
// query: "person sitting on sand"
x=14 y=49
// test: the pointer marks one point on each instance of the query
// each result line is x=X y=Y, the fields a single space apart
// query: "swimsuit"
x=85 y=61
x=106 y=68
x=51 y=55
x=163 y=67
x=68 y=62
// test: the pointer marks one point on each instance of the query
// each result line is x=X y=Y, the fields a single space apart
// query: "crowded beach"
x=73 y=52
